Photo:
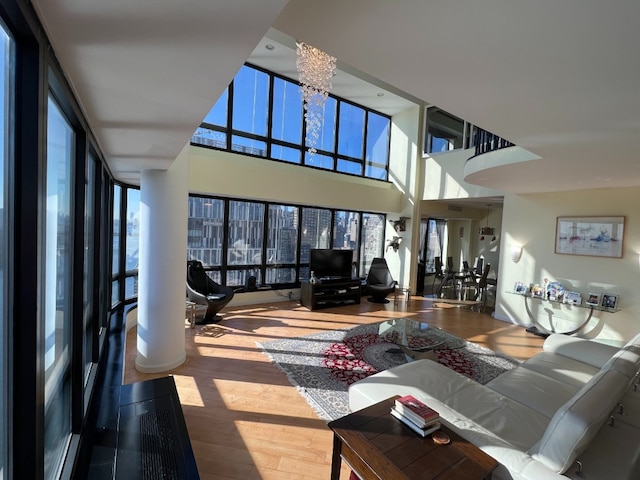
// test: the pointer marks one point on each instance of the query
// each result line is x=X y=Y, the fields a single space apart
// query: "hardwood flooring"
x=247 y=422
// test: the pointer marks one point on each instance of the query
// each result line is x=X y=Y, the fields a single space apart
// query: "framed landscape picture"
x=594 y=236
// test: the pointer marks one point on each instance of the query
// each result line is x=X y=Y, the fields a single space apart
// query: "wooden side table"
x=376 y=445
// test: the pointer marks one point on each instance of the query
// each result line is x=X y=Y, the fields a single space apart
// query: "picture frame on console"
x=537 y=291
x=609 y=301
x=520 y=288
x=573 y=298
x=593 y=299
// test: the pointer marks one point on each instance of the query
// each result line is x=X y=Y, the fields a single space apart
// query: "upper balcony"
x=496 y=161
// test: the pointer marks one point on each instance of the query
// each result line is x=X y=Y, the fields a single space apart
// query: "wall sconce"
x=400 y=225
x=395 y=243
x=516 y=253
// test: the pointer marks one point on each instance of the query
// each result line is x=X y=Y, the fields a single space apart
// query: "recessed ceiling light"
x=381 y=94
x=268 y=46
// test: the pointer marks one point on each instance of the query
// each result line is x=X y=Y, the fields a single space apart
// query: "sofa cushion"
x=539 y=392
x=576 y=423
x=563 y=369
x=581 y=349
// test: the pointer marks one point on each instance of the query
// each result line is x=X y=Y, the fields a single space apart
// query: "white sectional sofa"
x=574 y=406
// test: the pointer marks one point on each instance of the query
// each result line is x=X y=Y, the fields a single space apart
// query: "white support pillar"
x=162 y=267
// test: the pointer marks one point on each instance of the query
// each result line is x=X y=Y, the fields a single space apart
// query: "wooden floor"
x=247 y=422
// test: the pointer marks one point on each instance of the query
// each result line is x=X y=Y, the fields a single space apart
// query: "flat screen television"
x=326 y=263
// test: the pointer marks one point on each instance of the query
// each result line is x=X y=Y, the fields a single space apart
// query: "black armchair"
x=202 y=290
x=379 y=281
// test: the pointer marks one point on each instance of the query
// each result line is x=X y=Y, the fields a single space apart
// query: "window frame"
x=221 y=272
x=333 y=157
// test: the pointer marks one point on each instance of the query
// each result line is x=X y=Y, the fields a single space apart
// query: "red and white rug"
x=323 y=365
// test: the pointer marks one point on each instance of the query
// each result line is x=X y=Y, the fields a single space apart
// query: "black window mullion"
x=363 y=152
x=265 y=238
x=336 y=133
x=229 y=116
x=225 y=245
x=122 y=246
x=269 y=140
x=26 y=338
x=95 y=267
x=78 y=172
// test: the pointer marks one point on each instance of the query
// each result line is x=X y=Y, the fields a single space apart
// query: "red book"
x=416 y=410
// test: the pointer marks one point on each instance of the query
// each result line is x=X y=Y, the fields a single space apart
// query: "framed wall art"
x=594 y=236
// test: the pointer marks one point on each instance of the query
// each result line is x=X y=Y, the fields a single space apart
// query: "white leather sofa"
x=555 y=414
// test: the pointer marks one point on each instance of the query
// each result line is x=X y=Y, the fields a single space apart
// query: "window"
x=57 y=287
x=250 y=96
x=282 y=241
x=246 y=229
x=6 y=97
x=346 y=232
x=316 y=233
x=445 y=132
x=286 y=124
x=359 y=146
x=115 y=266
x=351 y=134
x=132 y=243
x=377 y=152
x=372 y=239
x=205 y=231
x=271 y=241
x=89 y=273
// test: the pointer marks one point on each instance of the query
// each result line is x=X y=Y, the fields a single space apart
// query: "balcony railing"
x=489 y=142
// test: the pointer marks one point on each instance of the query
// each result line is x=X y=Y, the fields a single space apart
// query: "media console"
x=330 y=294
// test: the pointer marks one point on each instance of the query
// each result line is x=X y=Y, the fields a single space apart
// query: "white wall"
x=530 y=220
x=215 y=172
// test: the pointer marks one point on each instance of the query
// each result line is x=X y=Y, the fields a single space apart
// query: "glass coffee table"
x=417 y=340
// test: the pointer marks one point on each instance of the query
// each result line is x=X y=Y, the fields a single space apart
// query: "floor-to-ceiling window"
x=117 y=240
x=246 y=231
x=282 y=240
x=372 y=239
x=132 y=243
x=6 y=96
x=89 y=302
x=346 y=233
x=57 y=286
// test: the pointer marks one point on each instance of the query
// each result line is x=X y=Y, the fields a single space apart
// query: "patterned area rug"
x=323 y=365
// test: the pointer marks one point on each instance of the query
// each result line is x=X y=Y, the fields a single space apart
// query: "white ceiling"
x=561 y=79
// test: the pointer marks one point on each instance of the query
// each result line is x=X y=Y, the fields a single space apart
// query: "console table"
x=330 y=294
x=376 y=445
x=540 y=330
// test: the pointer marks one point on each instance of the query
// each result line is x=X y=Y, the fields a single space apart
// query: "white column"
x=162 y=267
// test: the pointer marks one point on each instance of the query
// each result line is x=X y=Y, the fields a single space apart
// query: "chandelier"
x=315 y=71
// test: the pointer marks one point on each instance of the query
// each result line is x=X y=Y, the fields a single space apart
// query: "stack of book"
x=416 y=415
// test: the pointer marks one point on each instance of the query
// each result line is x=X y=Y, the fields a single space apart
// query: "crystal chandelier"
x=315 y=71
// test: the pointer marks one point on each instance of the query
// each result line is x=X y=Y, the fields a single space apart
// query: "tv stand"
x=330 y=294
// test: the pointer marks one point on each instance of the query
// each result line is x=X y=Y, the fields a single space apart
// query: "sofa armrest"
x=583 y=350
